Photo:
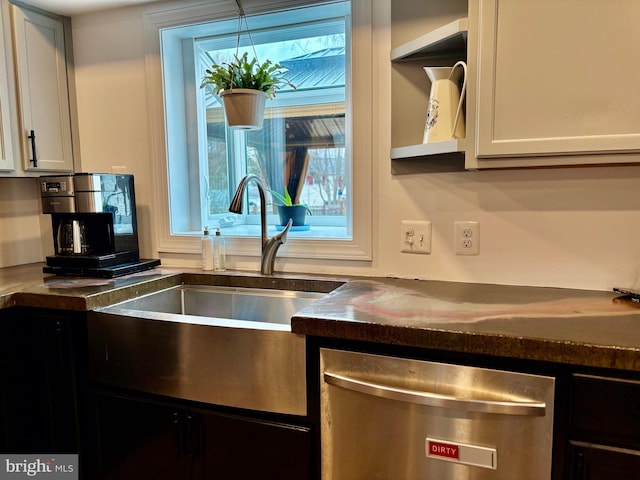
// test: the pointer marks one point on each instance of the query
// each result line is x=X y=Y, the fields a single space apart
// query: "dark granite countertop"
x=577 y=327
x=26 y=285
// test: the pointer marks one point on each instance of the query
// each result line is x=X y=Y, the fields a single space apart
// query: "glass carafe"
x=72 y=238
x=64 y=237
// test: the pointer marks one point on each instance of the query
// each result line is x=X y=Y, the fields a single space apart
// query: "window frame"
x=358 y=119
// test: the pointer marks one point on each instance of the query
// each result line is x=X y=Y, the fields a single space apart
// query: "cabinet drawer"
x=606 y=410
x=597 y=462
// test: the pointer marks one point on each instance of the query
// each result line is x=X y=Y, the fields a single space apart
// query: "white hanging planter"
x=244 y=108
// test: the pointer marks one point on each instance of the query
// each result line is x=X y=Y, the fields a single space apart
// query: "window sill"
x=319 y=242
x=323 y=232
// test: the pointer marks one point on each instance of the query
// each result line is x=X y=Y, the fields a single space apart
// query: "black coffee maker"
x=95 y=231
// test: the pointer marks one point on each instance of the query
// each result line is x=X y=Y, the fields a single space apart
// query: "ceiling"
x=77 y=7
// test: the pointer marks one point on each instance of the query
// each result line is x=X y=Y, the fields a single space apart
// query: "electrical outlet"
x=415 y=237
x=467 y=238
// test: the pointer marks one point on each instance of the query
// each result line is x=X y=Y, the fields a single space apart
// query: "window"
x=306 y=143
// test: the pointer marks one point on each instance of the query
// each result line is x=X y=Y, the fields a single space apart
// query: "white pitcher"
x=445 y=119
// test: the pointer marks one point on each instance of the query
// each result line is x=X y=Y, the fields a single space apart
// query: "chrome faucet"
x=269 y=245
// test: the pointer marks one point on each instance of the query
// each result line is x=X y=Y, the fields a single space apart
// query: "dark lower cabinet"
x=140 y=438
x=242 y=448
x=137 y=439
x=600 y=462
x=38 y=382
x=604 y=428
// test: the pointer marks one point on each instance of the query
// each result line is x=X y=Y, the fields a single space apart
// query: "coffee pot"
x=72 y=237
x=94 y=226
x=445 y=119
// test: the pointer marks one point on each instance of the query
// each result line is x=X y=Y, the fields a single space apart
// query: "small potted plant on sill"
x=244 y=86
x=288 y=210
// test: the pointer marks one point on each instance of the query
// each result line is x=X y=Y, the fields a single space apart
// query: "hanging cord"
x=241 y=16
x=240 y=9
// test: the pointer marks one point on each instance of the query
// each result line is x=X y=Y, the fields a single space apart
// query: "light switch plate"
x=415 y=237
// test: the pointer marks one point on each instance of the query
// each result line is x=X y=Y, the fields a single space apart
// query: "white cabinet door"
x=558 y=78
x=43 y=96
x=6 y=140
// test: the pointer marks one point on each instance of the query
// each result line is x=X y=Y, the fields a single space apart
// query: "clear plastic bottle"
x=219 y=255
x=207 y=250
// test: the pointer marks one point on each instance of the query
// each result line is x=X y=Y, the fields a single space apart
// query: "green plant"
x=242 y=73
x=286 y=199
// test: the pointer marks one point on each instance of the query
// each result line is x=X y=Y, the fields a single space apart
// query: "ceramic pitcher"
x=445 y=119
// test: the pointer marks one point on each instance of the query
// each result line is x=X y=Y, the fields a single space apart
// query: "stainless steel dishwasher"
x=387 y=418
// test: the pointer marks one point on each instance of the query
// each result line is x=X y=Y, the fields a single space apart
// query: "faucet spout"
x=269 y=245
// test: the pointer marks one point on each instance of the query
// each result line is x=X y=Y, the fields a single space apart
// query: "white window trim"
x=360 y=120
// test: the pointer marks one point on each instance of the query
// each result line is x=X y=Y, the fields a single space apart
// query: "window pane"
x=302 y=145
x=218 y=175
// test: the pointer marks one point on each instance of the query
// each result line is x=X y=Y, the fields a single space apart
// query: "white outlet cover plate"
x=415 y=237
x=467 y=238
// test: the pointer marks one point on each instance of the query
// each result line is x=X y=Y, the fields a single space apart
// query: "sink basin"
x=267 y=306
x=218 y=345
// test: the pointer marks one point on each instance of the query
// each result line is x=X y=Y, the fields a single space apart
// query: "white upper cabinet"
x=42 y=89
x=557 y=83
x=7 y=156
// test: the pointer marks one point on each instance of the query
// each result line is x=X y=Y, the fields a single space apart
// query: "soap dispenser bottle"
x=219 y=255
x=207 y=250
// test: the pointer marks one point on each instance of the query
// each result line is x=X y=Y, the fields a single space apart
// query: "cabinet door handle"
x=580 y=467
x=179 y=431
x=32 y=137
x=195 y=435
x=188 y=436
x=431 y=399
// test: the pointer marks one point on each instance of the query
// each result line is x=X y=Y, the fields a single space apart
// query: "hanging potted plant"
x=288 y=210
x=244 y=86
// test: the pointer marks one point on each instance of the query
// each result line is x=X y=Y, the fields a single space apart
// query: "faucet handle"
x=282 y=236
x=270 y=248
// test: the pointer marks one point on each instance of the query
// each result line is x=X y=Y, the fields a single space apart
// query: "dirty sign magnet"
x=461 y=453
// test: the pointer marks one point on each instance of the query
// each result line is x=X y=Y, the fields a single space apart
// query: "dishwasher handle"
x=435 y=399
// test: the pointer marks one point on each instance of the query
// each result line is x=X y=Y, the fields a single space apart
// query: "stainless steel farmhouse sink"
x=219 y=345
x=265 y=306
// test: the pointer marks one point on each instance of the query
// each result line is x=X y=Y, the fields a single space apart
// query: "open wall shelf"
x=449 y=38
x=447 y=41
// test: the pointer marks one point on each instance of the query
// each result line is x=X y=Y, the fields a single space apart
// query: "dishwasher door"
x=387 y=418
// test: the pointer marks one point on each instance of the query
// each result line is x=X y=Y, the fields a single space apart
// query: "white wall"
x=112 y=105
x=560 y=227
x=20 y=222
